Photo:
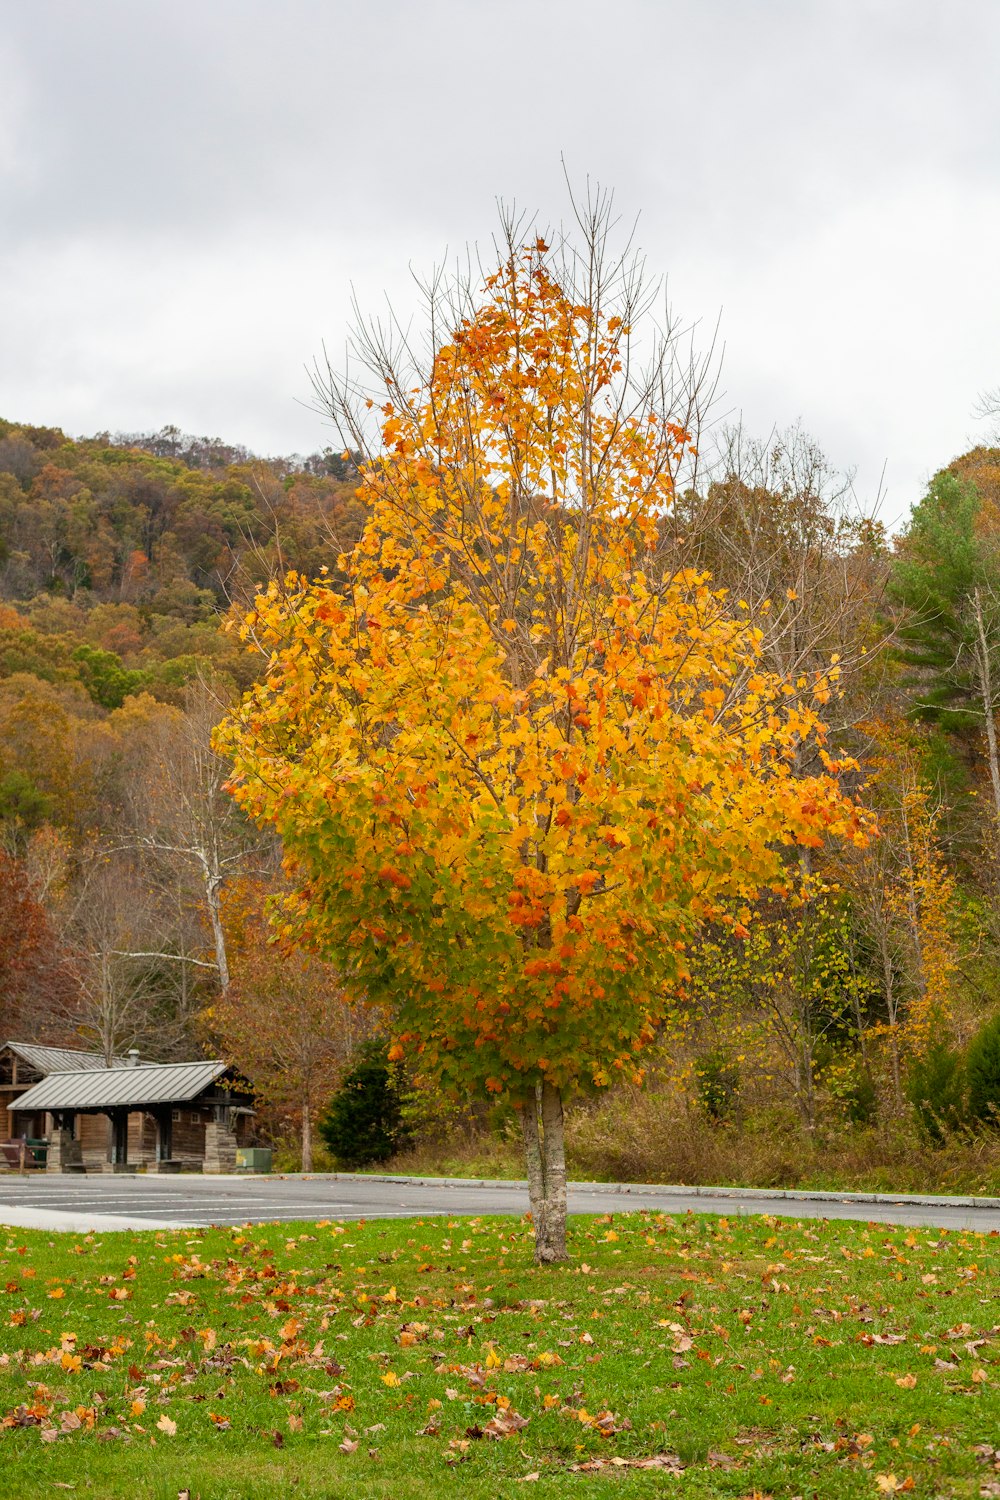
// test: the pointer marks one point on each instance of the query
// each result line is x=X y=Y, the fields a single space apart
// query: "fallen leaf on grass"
x=505 y=1423
x=717 y=1460
x=667 y=1461
x=347 y=1446
x=167 y=1425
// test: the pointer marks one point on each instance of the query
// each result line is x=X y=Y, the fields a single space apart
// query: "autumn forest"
x=822 y=965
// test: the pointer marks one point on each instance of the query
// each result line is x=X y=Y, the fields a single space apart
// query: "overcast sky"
x=188 y=192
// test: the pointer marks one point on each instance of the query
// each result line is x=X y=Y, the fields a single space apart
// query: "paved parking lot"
x=119 y=1202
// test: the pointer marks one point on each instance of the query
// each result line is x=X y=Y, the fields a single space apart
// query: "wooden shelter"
x=161 y=1116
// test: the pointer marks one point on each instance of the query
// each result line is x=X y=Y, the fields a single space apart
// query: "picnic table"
x=24 y=1153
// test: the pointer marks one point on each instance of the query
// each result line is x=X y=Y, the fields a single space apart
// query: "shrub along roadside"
x=641 y=1135
x=936 y=1090
x=982 y=1070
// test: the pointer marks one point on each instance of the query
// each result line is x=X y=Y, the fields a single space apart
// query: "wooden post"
x=119 y=1140
x=164 y=1135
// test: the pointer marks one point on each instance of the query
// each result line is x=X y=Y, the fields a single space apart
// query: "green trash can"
x=253 y=1158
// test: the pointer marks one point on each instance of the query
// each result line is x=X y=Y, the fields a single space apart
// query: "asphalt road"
x=108 y=1202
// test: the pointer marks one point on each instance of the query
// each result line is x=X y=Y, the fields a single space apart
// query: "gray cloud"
x=188 y=192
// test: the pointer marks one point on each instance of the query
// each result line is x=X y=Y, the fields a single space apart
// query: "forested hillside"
x=121 y=561
x=854 y=1015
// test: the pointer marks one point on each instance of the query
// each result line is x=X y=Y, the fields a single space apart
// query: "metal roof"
x=47 y=1060
x=121 y=1088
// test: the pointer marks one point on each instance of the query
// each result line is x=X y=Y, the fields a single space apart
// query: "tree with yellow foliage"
x=515 y=759
x=905 y=895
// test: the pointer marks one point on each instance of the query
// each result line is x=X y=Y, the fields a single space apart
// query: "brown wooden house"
x=86 y=1116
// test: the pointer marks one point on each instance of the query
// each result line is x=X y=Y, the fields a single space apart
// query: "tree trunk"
x=987 y=692
x=554 y=1148
x=545 y=1156
x=213 y=888
x=536 y=1171
x=307 y=1137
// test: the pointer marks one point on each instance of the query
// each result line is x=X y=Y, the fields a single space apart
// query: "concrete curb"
x=195 y=1183
x=662 y=1190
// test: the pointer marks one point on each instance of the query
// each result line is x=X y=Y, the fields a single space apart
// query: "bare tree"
x=180 y=815
x=786 y=535
x=130 y=993
x=984 y=653
x=987 y=409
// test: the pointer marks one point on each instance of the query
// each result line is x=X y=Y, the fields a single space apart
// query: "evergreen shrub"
x=936 y=1089
x=363 y=1123
x=982 y=1071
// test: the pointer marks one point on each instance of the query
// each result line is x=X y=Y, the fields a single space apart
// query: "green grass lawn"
x=694 y=1355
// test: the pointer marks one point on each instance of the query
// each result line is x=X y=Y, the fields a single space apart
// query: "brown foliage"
x=34 y=982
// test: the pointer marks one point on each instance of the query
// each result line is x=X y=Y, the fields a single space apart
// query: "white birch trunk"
x=987 y=692
x=307 y=1143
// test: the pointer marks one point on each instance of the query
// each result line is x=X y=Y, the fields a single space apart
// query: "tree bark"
x=554 y=1147
x=536 y=1170
x=987 y=692
x=213 y=887
x=545 y=1156
x=307 y=1137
